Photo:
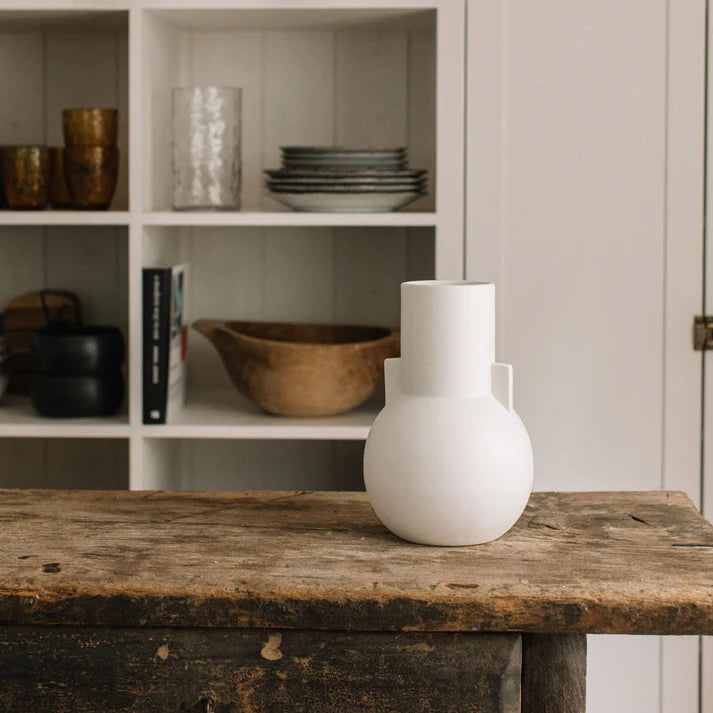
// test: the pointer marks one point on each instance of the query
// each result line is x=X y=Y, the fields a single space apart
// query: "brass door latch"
x=702 y=333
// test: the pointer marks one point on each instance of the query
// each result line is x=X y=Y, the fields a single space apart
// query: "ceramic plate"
x=326 y=155
x=360 y=166
x=342 y=150
x=342 y=158
x=354 y=156
x=327 y=187
x=347 y=203
x=345 y=174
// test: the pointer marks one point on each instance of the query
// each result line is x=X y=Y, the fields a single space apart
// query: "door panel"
x=584 y=190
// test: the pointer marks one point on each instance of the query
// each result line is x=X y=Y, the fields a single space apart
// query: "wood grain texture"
x=635 y=563
x=554 y=673
x=58 y=670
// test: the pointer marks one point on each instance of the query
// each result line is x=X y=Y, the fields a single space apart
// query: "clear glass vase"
x=206 y=148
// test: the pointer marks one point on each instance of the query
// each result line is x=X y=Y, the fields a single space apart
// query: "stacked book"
x=164 y=341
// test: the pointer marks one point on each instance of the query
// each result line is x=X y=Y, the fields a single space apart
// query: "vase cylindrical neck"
x=447 y=338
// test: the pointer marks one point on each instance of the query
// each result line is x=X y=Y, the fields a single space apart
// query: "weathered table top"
x=635 y=563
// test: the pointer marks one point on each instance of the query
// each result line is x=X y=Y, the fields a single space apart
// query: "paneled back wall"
x=357 y=87
x=64 y=463
x=44 y=73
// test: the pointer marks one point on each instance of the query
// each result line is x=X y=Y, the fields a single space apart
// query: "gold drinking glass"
x=25 y=176
x=91 y=173
x=91 y=126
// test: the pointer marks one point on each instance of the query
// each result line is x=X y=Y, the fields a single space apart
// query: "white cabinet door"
x=707 y=377
x=584 y=206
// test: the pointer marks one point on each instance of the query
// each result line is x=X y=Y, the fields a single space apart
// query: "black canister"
x=77 y=371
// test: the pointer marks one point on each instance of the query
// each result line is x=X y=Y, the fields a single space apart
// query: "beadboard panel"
x=231 y=287
x=353 y=87
x=238 y=465
x=254 y=464
x=300 y=277
x=163 y=59
x=165 y=461
x=64 y=463
x=87 y=464
x=362 y=58
x=347 y=462
x=23 y=463
x=93 y=266
x=370 y=265
x=22 y=261
x=22 y=88
x=421 y=117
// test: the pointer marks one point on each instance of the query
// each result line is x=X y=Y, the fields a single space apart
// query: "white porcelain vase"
x=448 y=461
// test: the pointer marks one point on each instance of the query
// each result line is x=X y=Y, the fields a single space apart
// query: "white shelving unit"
x=223 y=413
x=47 y=218
x=312 y=71
x=409 y=219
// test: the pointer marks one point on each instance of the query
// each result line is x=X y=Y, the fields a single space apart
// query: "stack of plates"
x=334 y=179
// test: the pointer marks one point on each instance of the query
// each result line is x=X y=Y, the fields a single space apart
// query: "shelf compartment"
x=290 y=218
x=65 y=20
x=219 y=413
x=18 y=419
x=250 y=464
x=281 y=17
x=56 y=59
x=322 y=76
x=64 y=217
x=340 y=275
x=91 y=262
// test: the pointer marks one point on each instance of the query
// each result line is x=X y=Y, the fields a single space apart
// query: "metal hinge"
x=702 y=333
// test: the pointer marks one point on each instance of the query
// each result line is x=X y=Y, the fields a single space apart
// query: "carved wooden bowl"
x=302 y=369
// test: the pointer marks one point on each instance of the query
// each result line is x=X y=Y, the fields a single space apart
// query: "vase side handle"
x=501 y=379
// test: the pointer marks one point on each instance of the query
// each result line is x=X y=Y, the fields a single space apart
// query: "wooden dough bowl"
x=302 y=369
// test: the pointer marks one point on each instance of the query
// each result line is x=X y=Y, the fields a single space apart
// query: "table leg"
x=554 y=673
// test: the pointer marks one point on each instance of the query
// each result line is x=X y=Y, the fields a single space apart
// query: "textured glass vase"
x=206 y=148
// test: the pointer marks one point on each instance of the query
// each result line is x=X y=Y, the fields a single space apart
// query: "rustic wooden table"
x=276 y=601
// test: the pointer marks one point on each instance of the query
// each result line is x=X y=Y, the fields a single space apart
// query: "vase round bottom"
x=448 y=472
